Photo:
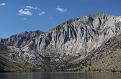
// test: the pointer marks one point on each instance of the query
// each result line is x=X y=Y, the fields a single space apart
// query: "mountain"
x=70 y=42
x=6 y=64
x=105 y=58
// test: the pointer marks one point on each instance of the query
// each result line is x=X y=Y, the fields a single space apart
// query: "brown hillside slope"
x=106 y=58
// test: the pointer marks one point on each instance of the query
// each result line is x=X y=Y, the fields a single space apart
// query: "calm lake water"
x=59 y=75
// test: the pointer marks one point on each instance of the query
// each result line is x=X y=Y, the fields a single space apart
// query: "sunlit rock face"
x=76 y=37
x=80 y=36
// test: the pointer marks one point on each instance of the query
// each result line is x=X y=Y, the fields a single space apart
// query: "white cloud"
x=25 y=12
x=41 y=13
x=2 y=4
x=31 y=7
x=30 y=10
x=60 y=9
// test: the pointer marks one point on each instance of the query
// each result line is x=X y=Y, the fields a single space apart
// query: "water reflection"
x=61 y=75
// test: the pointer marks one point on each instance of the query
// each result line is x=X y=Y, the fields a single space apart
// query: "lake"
x=61 y=75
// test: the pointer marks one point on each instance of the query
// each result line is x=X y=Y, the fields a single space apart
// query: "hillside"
x=108 y=56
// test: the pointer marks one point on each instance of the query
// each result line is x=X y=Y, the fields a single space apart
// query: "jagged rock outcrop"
x=22 y=39
x=71 y=39
x=5 y=63
x=80 y=36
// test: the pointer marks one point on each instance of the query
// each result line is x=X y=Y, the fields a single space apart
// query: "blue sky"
x=17 y=16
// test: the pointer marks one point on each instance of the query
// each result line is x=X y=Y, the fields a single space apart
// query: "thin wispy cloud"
x=30 y=10
x=2 y=4
x=31 y=7
x=24 y=18
x=25 y=12
x=60 y=9
x=41 y=13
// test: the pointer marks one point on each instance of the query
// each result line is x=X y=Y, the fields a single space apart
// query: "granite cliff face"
x=80 y=36
x=72 y=39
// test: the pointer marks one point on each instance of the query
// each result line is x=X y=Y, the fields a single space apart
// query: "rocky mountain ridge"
x=68 y=41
